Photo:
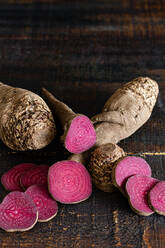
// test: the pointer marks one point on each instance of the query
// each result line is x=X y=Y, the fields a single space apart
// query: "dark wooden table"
x=82 y=51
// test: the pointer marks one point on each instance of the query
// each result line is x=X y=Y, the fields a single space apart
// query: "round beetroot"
x=126 y=167
x=11 y=179
x=17 y=212
x=69 y=182
x=47 y=207
x=137 y=188
x=37 y=175
x=157 y=198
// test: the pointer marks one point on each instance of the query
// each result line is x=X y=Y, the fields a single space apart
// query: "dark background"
x=82 y=51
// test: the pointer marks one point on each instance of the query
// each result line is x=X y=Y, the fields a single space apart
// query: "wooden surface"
x=82 y=51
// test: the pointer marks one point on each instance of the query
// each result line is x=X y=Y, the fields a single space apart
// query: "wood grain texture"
x=82 y=51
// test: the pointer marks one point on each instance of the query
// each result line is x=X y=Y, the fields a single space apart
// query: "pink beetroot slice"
x=137 y=188
x=69 y=182
x=47 y=207
x=127 y=167
x=17 y=212
x=37 y=175
x=157 y=198
x=81 y=135
x=11 y=179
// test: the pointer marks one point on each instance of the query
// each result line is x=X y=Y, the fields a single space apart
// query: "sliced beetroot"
x=137 y=188
x=47 y=207
x=157 y=198
x=81 y=135
x=17 y=212
x=127 y=167
x=37 y=175
x=11 y=179
x=69 y=182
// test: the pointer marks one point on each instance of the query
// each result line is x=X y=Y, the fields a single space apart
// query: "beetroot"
x=37 y=175
x=127 y=167
x=81 y=135
x=69 y=182
x=137 y=188
x=17 y=212
x=47 y=207
x=11 y=179
x=157 y=198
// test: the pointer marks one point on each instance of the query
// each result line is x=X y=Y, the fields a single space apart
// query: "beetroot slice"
x=17 y=212
x=137 y=188
x=11 y=179
x=69 y=182
x=47 y=207
x=81 y=135
x=157 y=198
x=127 y=167
x=37 y=175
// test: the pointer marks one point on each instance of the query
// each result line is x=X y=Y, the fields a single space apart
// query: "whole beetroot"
x=101 y=163
x=26 y=121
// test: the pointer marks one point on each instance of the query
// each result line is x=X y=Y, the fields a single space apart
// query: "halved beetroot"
x=127 y=167
x=47 y=207
x=157 y=198
x=11 y=179
x=69 y=182
x=37 y=175
x=17 y=212
x=81 y=135
x=137 y=188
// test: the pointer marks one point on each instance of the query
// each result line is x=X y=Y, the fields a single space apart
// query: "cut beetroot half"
x=37 y=175
x=11 y=179
x=81 y=135
x=127 y=167
x=69 y=182
x=17 y=212
x=47 y=207
x=137 y=188
x=157 y=198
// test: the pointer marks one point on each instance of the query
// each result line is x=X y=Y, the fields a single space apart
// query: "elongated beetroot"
x=127 y=167
x=69 y=182
x=79 y=133
x=137 y=188
x=37 y=175
x=17 y=212
x=11 y=179
x=157 y=198
x=47 y=207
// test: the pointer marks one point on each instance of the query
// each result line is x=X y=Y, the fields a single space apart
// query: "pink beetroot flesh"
x=47 y=207
x=157 y=197
x=11 y=179
x=137 y=188
x=69 y=182
x=17 y=212
x=81 y=135
x=37 y=175
x=127 y=167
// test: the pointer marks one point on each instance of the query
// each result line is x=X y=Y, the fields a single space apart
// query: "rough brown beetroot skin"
x=127 y=167
x=69 y=182
x=157 y=198
x=17 y=212
x=47 y=207
x=137 y=188
x=101 y=163
x=11 y=179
